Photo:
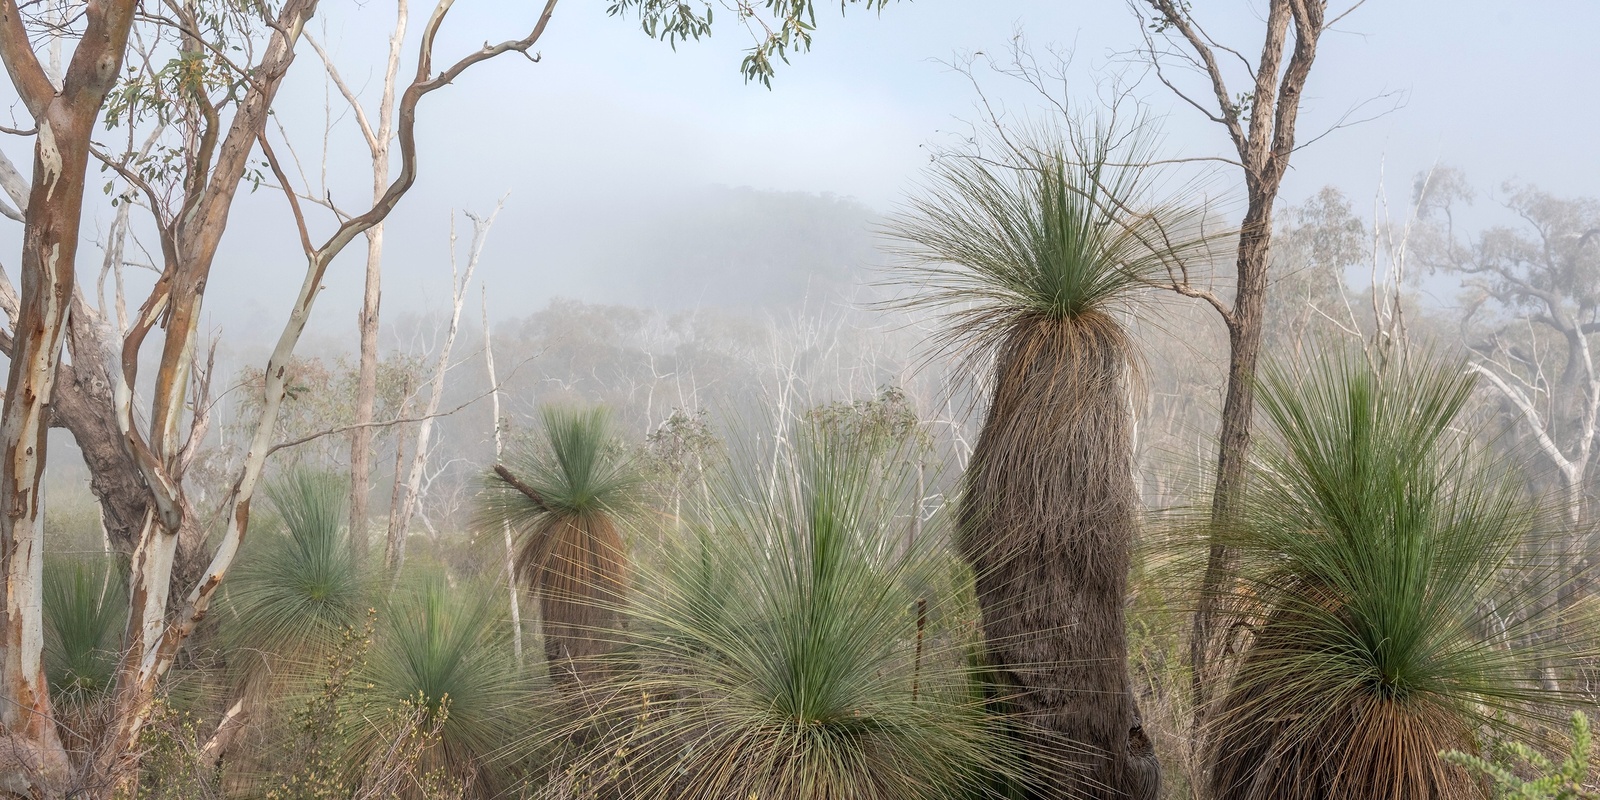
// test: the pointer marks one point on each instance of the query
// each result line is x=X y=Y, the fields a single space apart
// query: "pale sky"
x=611 y=125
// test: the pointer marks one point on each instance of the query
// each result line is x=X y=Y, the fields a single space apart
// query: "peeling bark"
x=29 y=744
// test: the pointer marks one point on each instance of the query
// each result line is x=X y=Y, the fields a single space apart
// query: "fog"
x=640 y=176
x=620 y=157
x=995 y=404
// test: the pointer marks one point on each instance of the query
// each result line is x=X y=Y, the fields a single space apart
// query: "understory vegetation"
x=1018 y=516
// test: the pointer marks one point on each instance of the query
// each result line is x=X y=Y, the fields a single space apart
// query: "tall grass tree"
x=1392 y=581
x=567 y=495
x=1031 y=255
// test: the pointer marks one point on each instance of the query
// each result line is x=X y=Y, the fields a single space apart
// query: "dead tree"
x=155 y=635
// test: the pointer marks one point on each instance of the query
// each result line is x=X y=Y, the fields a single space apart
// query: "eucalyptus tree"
x=1262 y=124
x=1386 y=571
x=1031 y=254
x=1530 y=317
x=64 y=117
x=198 y=100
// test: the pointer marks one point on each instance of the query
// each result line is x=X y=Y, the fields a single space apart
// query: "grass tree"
x=788 y=648
x=567 y=495
x=445 y=650
x=85 y=606
x=298 y=587
x=1030 y=255
x=297 y=592
x=84 y=609
x=1387 y=572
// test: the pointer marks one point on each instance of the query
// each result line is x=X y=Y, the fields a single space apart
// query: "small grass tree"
x=788 y=648
x=1386 y=569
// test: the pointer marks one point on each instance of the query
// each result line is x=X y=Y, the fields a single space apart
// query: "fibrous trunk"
x=1300 y=740
x=1048 y=526
x=579 y=566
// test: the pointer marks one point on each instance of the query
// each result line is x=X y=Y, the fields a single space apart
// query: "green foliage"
x=85 y=610
x=171 y=764
x=778 y=26
x=314 y=765
x=320 y=395
x=446 y=651
x=1054 y=227
x=297 y=586
x=1565 y=781
x=579 y=468
x=779 y=652
x=1388 y=568
x=311 y=764
x=680 y=446
x=884 y=423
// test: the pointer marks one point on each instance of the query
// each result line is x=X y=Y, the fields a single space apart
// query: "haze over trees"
x=966 y=496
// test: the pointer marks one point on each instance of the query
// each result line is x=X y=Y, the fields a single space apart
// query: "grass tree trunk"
x=1048 y=525
x=1028 y=254
x=567 y=499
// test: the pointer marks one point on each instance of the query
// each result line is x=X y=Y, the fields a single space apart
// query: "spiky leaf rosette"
x=1030 y=257
x=1392 y=587
x=85 y=608
x=566 y=495
x=790 y=650
x=297 y=587
x=447 y=648
x=1054 y=229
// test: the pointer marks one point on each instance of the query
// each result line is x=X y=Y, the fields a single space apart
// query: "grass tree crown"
x=1395 y=586
x=577 y=466
x=1056 y=227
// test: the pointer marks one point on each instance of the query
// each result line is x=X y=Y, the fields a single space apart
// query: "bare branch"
x=527 y=491
x=388 y=423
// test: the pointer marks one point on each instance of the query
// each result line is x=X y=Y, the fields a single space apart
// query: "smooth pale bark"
x=154 y=636
x=378 y=138
x=400 y=519
x=189 y=245
x=515 y=594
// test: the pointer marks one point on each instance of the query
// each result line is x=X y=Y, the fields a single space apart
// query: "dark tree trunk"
x=1048 y=525
x=84 y=406
x=1238 y=412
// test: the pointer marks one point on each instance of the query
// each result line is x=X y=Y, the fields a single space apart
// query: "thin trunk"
x=1238 y=411
x=366 y=398
x=400 y=522
x=394 y=550
x=153 y=645
x=367 y=322
x=1262 y=131
x=512 y=589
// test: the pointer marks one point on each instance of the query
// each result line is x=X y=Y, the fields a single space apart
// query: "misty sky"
x=612 y=133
